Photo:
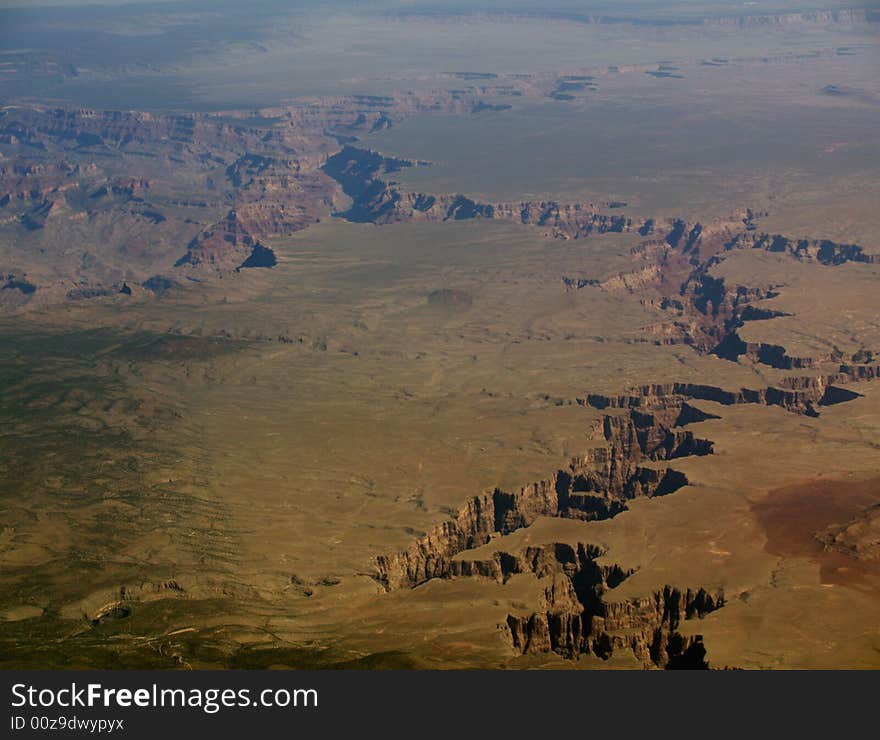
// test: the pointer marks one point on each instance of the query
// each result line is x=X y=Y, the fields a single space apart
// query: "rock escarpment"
x=676 y=256
x=596 y=485
x=579 y=615
x=797 y=394
x=251 y=177
x=164 y=194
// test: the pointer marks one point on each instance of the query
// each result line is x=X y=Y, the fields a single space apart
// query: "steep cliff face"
x=375 y=200
x=732 y=347
x=227 y=245
x=823 y=251
x=673 y=263
x=246 y=175
x=270 y=202
x=281 y=169
x=299 y=128
x=277 y=172
x=679 y=280
x=358 y=173
x=579 y=615
x=860 y=372
x=596 y=485
x=799 y=394
x=578 y=562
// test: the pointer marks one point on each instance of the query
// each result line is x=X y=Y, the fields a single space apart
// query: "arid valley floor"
x=552 y=344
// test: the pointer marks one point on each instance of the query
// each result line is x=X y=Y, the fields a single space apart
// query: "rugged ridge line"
x=579 y=616
x=596 y=485
x=374 y=200
x=798 y=394
x=575 y=619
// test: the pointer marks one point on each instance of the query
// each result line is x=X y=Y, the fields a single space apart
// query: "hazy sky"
x=56 y=3
x=586 y=6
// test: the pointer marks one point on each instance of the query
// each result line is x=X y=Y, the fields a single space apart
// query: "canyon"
x=556 y=353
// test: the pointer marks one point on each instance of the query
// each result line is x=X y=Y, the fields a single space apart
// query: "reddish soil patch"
x=792 y=516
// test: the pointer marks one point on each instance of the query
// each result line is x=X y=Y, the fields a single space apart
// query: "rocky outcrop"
x=860 y=372
x=678 y=279
x=824 y=251
x=358 y=173
x=679 y=254
x=297 y=129
x=596 y=485
x=678 y=257
x=200 y=189
x=374 y=200
x=542 y=561
x=579 y=615
x=732 y=347
x=223 y=246
x=270 y=173
x=260 y=256
x=17 y=283
x=859 y=538
x=798 y=394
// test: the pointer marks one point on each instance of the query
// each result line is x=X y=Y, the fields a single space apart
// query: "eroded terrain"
x=311 y=385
